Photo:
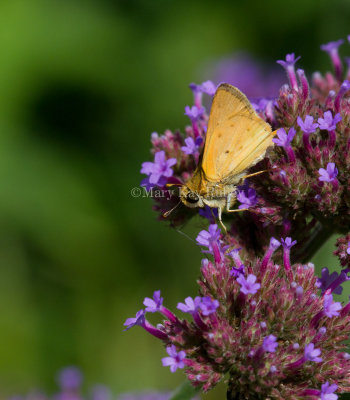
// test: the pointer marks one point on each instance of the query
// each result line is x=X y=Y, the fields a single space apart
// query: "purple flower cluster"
x=70 y=380
x=261 y=316
x=268 y=327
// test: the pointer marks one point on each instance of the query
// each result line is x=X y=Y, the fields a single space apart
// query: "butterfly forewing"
x=237 y=137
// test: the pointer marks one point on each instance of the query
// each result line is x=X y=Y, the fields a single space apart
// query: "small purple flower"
x=208 y=87
x=329 y=174
x=331 y=308
x=332 y=47
x=327 y=279
x=194 y=112
x=284 y=140
x=269 y=344
x=327 y=391
x=207 y=238
x=175 y=360
x=138 y=320
x=248 y=286
x=192 y=146
x=247 y=197
x=190 y=305
x=159 y=169
x=70 y=378
x=274 y=244
x=210 y=213
x=328 y=122
x=153 y=305
x=308 y=125
x=208 y=306
x=348 y=249
x=287 y=243
x=290 y=60
x=237 y=271
x=312 y=354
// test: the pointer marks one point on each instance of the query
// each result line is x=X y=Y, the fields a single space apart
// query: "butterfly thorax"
x=199 y=191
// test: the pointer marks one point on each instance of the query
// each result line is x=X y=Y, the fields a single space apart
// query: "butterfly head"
x=190 y=198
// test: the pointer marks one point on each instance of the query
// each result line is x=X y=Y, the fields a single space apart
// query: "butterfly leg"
x=220 y=220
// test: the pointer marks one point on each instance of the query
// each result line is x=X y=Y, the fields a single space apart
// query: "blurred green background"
x=82 y=86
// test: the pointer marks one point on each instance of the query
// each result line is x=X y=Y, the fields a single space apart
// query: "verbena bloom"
x=175 y=359
x=329 y=174
x=289 y=61
x=331 y=308
x=208 y=87
x=312 y=354
x=208 y=306
x=332 y=49
x=210 y=213
x=270 y=344
x=290 y=189
x=192 y=146
x=139 y=319
x=70 y=378
x=247 y=197
x=288 y=65
x=249 y=285
x=159 y=169
x=308 y=125
x=284 y=140
x=248 y=334
x=327 y=279
x=327 y=391
x=329 y=123
x=194 y=112
x=153 y=305
x=263 y=289
x=190 y=305
x=288 y=242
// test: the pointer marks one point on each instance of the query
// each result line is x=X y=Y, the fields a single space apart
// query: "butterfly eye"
x=192 y=198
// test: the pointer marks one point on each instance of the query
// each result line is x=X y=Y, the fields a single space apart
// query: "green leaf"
x=344 y=396
x=185 y=392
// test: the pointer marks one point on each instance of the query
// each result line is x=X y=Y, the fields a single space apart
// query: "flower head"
x=331 y=308
x=159 y=169
x=153 y=305
x=210 y=213
x=207 y=238
x=175 y=359
x=190 y=305
x=138 y=320
x=327 y=279
x=331 y=47
x=289 y=61
x=328 y=122
x=248 y=286
x=308 y=125
x=192 y=146
x=247 y=197
x=270 y=343
x=288 y=243
x=194 y=112
x=208 y=87
x=70 y=378
x=329 y=174
x=284 y=140
x=327 y=391
x=208 y=305
x=312 y=354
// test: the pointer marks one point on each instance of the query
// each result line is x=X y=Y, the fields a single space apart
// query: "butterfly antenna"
x=185 y=234
x=166 y=214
